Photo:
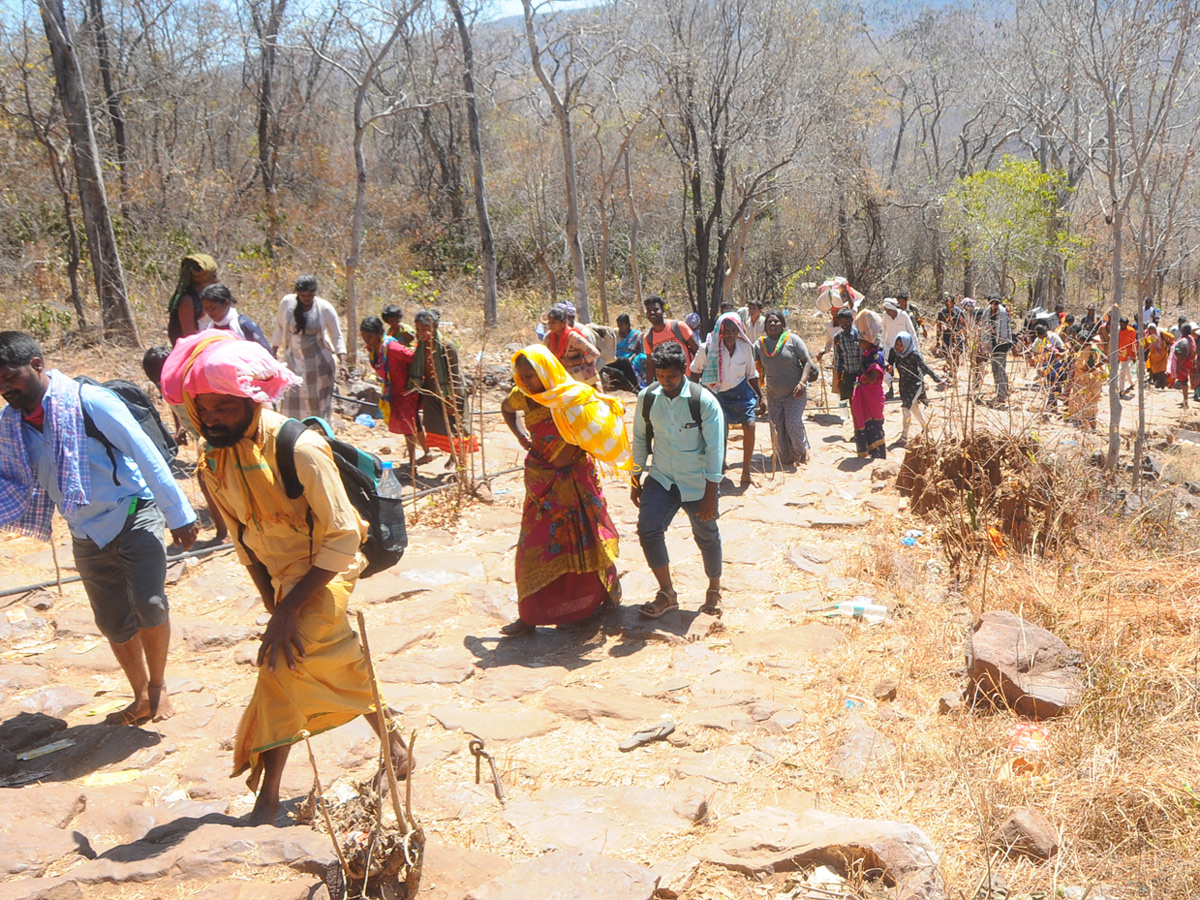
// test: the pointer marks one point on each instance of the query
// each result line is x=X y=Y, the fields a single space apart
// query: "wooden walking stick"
x=384 y=731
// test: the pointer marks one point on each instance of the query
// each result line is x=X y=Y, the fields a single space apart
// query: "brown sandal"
x=661 y=604
x=517 y=626
x=712 y=603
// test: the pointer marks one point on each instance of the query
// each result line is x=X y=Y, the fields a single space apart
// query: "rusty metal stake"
x=476 y=748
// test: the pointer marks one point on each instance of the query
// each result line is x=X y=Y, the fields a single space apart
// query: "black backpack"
x=144 y=412
x=387 y=535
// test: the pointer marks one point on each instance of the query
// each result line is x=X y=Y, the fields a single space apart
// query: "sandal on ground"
x=424 y=460
x=517 y=626
x=662 y=603
x=642 y=736
x=712 y=603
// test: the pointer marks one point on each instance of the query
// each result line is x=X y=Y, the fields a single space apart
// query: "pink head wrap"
x=219 y=363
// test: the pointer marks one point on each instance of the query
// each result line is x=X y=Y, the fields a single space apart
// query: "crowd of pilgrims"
x=749 y=367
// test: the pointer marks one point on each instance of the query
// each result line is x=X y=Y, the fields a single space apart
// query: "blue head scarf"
x=906 y=342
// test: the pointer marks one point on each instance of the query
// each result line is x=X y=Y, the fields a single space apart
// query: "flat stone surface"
x=438 y=569
x=799 y=640
x=860 y=751
x=616 y=819
x=447 y=665
x=590 y=704
x=774 y=839
x=389 y=640
x=570 y=875
x=511 y=682
x=724 y=766
x=505 y=721
x=54 y=701
x=23 y=678
x=200 y=635
x=452 y=872
x=697 y=660
x=29 y=849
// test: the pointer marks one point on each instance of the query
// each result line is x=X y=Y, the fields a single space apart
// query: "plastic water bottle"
x=859 y=608
x=389 y=485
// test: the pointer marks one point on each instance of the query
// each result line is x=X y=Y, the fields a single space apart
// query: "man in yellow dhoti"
x=303 y=555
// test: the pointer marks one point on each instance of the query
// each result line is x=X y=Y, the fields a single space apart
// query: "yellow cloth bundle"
x=585 y=417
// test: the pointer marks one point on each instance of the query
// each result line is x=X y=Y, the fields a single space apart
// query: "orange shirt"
x=1127 y=343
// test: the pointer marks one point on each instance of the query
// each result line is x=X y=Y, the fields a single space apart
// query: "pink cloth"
x=216 y=362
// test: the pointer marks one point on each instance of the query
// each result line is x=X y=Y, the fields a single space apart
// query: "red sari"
x=402 y=402
x=567 y=551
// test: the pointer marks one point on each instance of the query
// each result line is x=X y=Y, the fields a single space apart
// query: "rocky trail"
x=798 y=740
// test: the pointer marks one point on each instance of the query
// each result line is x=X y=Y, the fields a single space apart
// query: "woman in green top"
x=785 y=365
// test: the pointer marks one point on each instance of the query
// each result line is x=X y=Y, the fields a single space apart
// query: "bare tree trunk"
x=737 y=252
x=602 y=262
x=268 y=145
x=563 y=116
x=112 y=98
x=487 y=244
x=633 y=228
x=116 y=319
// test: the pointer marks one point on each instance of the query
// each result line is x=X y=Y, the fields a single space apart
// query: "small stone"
x=949 y=702
x=886 y=690
x=863 y=748
x=1027 y=832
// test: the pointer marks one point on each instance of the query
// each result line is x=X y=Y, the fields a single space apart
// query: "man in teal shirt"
x=686 y=440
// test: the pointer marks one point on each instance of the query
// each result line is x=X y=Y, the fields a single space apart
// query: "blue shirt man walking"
x=686 y=442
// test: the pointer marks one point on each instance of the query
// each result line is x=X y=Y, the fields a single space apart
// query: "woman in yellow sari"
x=567 y=551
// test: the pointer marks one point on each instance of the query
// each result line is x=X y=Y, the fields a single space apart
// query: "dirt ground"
x=761 y=702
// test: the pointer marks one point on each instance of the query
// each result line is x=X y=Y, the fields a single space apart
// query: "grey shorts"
x=125 y=580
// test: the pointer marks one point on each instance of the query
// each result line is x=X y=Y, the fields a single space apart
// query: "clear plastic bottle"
x=861 y=609
x=389 y=485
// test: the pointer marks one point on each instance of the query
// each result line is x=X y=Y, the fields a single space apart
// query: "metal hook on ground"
x=476 y=748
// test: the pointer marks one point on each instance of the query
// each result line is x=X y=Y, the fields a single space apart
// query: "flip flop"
x=642 y=736
x=661 y=604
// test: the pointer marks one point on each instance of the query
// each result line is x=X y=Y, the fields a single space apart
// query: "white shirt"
x=734 y=369
x=754 y=330
x=892 y=327
x=327 y=321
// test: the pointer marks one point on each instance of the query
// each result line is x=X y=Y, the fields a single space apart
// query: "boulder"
x=1015 y=664
x=773 y=839
x=570 y=875
x=1027 y=832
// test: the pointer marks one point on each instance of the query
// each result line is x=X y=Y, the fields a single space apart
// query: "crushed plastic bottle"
x=365 y=419
x=861 y=608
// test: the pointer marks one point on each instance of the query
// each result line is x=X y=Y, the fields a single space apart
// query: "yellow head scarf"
x=584 y=417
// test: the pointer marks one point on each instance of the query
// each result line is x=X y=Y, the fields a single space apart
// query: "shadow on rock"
x=543 y=647
x=86 y=749
x=827 y=419
x=164 y=837
x=854 y=463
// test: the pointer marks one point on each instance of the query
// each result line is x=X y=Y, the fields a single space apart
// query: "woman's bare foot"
x=517 y=626
x=136 y=713
x=265 y=810
x=160 y=703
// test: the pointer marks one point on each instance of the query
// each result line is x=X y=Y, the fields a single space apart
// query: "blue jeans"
x=658 y=509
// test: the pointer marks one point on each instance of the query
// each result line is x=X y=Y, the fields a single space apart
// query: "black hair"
x=757 y=303
x=777 y=313
x=844 y=313
x=425 y=317
x=391 y=311
x=18 y=349
x=654 y=298
x=1070 y=319
x=218 y=292
x=1124 y=321
x=303 y=285
x=669 y=355
x=902 y=294
x=1041 y=328
x=371 y=325
x=1185 y=329
x=728 y=306
x=558 y=314
x=623 y=317
x=152 y=363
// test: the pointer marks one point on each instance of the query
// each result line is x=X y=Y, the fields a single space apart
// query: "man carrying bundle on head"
x=302 y=554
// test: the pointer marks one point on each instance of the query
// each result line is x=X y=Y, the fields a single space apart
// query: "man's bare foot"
x=136 y=713
x=402 y=760
x=265 y=811
x=160 y=703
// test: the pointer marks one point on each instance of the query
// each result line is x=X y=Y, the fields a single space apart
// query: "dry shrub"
x=979 y=480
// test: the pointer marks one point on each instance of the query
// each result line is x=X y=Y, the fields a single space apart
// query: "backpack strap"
x=646 y=404
x=92 y=430
x=694 y=403
x=285 y=457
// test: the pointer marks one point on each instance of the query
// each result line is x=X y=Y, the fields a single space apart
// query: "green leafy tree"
x=1008 y=222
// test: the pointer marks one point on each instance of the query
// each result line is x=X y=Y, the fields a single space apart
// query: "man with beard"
x=77 y=448
x=302 y=555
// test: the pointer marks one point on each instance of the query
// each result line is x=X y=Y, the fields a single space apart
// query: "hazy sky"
x=513 y=7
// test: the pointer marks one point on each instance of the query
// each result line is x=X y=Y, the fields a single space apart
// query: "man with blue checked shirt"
x=680 y=426
x=78 y=448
